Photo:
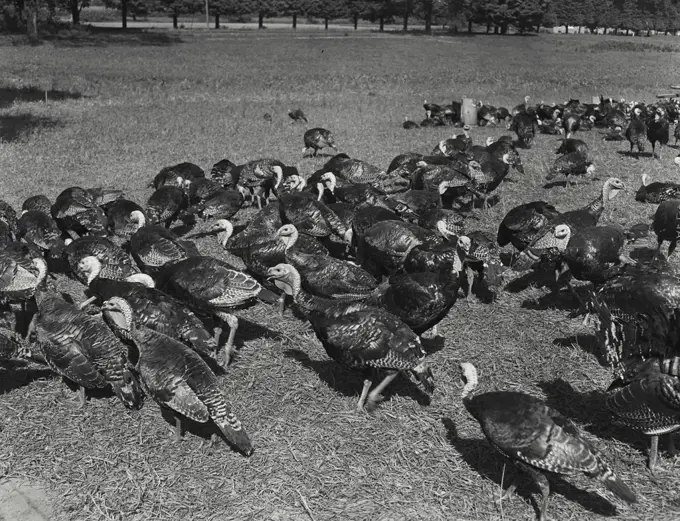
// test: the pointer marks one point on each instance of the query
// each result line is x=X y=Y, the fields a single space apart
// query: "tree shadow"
x=488 y=463
x=16 y=373
x=90 y=36
x=349 y=383
x=534 y=277
x=562 y=300
x=9 y=95
x=15 y=127
x=590 y=410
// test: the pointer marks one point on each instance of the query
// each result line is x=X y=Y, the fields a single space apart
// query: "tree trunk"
x=579 y=29
x=406 y=21
x=123 y=12
x=32 y=20
x=356 y=22
x=504 y=28
x=469 y=26
x=325 y=23
x=649 y=32
x=260 y=20
x=538 y=28
x=665 y=33
x=566 y=28
x=488 y=28
x=382 y=24
x=495 y=29
x=217 y=20
x=428 y=22
x=294 y=21
x=175 y=25
x=75 y=11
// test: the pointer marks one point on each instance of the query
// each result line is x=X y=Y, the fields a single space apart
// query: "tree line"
x=495 y=15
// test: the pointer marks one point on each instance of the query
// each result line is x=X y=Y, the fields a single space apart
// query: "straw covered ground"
x=121 y=107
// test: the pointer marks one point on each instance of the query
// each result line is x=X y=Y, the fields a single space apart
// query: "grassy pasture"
x=121 y=107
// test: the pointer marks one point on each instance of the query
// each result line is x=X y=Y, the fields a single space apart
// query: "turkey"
x=311 y=217
x=522 y=107
x=636 y=132
x=584 y=217
x=201 y=189
x=184 y=171
x=153 y=309
x=116 y=263
x=647 y=398
x=167 y=177
x=570 y=123
x=550 y=127
x=22 y=270
x=666 y=225
x=323 y=275
x=448 y=223
x=8 y=216
x=409 y=125
x=152 y=247
x=297 y=116
x=572 y=164
x=317 y=139
x=222 y=173
x=221 y=204
x=211 y=286
x=257 y=178
x=658 y=130
x=431 y=109
x=482 y=262
x=37 y=202
x=536 y=438
x=502 y=148
x=351 y=170
x=81 y=348
x=124 y=218
x=525 y=127
x=177 y=377
x=404 y=164
x=593 y=254
x=636 y=315
x=105 y=196
x=38 y=228
x=657 y=191
x=523 y=224
x=573 y=145
x=360 y=337
x=453 y=146
x=166 y=204
x=76 y=213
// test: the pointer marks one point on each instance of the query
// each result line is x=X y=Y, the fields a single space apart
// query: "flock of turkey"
x=374 y=259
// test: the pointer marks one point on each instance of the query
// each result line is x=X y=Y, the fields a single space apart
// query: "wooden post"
x=468 y=112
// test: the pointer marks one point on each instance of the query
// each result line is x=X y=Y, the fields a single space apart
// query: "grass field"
x=121 y=107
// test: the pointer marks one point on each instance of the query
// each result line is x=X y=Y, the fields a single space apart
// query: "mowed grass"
x=118 y=111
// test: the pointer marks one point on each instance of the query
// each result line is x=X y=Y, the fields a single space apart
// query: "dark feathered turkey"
x=153 y=247
x=360 y=337
x=647 y=398
x=572 y=164
x=537 y=439
x=166 y=204
x=657 y=191
x=116 y=263
x=222 y=173
x=568 y=146
x=125 y=218
x=37 y=227
x=37 y=202
x=317 y=139
x=523 y=224
x=525 y=126
x=177 y=377
x=81 y=348
x=658 y=130
x=297 y=116
x=636 y=132
x=666 y=224
x=76 y=212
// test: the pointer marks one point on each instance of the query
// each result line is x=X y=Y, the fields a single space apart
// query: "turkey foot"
x=232 y=322
x=375 y=396
x=364 y=394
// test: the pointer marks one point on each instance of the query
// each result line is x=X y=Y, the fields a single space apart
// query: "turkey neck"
x=597 y=206
x=223 y=237
x=307 y=303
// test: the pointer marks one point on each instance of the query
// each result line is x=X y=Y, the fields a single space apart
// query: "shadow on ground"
x=8 y=95
x=350 y=383
x=89 y=36
x=12 y=128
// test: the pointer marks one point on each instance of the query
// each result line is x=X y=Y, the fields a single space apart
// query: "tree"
x=327 y=10
x=294 y=8
x=177 y=7
x=32 y=7
x=379 y=11
x=74 y=7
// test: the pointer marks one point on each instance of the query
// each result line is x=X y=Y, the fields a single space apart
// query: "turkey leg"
x=375 y=397
x=364 y=394
x=232 y=322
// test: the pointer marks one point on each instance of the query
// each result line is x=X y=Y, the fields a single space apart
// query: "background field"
x=120 y=107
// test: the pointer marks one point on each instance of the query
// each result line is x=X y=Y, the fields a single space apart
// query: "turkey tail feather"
x=614 y=483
